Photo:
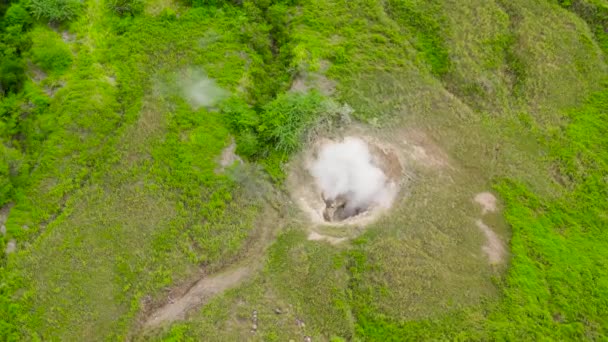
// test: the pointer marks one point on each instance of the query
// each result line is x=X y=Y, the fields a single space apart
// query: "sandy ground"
x=487 y=202
x=314 y=236
x=493 y=247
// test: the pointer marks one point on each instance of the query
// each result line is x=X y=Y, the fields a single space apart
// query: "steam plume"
x=200 y=90
x=345 y=170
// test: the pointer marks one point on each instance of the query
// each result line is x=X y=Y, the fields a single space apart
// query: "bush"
x=247 y=144
x=16 y=15
x=50 y=52
x=5 y=184
x=280 y=126
x=10 y=166
x=286 y=120
x=56 y=10
x=124 y=7
x=12 y=74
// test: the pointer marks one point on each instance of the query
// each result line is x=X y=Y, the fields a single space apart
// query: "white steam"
x=345 y=169
x=200 y=90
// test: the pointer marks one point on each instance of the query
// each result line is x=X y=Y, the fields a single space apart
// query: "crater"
x=346 y=181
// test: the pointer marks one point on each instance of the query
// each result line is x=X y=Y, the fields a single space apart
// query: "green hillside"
x=125 y=214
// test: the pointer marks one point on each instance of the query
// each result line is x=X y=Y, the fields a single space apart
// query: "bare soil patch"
x=11 y=246
x=314 y=236
x=228 y=157
x=494 y=247
x=487 y=201
x=198 y=294
x=424 y=150
x=68 y=37
x=4 y=212
x=315 y=80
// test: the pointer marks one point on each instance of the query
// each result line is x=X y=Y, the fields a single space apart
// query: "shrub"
x=49 y=51
x=56 y=10
x=247 y=144
x=16 y=15
x=125 y=7
x=278 y=127
x=12 y=74
x=286 y=120
x=5 y=184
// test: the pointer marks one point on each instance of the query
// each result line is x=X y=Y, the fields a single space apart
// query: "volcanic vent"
x=347 y=181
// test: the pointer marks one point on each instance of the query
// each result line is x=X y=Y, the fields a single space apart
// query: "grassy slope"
x=115 y=211
x=125 y=188
x=520 y=76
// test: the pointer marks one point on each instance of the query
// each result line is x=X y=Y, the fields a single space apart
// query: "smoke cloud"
x=200 y=90
x=344 y=170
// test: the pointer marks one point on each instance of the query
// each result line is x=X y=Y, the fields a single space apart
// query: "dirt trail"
x=198 y=294
x=209 y=286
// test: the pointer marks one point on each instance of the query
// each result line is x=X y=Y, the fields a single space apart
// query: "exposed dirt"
x=487 y=202
x=228 y=157
x=51 y=89
x=208 y=286
x=198 y=294
x=68 y=37
x=317 y=80
x=11 y=246
x=422 y=149
x=494 y=247
x=314 y=236
x=37 y=74
x=299 y=85
x=4 y=212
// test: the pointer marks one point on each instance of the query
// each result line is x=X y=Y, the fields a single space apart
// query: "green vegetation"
x=115 y=198
x=56 y=10
x=49 y=52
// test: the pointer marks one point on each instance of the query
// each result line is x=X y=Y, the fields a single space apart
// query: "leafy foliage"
x=56 y=10
x=124 y=7
x=49 y=51
x=280 y=126
x=17 y=15
x=12 y=74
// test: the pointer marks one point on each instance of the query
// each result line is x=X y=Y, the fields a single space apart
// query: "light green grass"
x=119 y=192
